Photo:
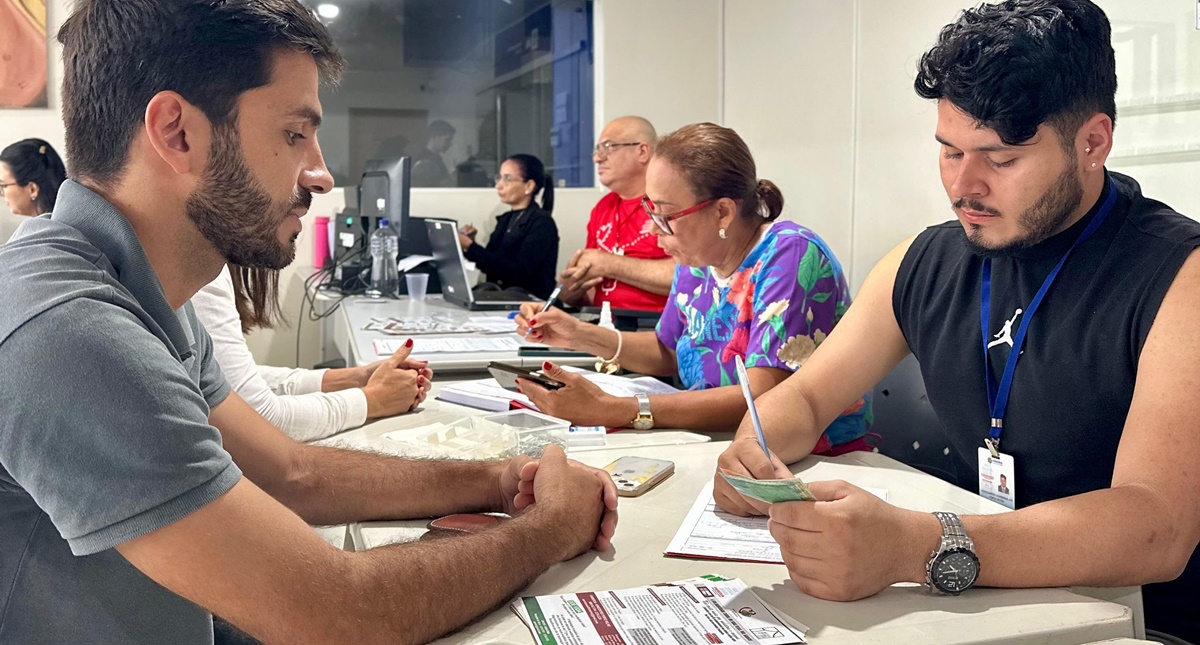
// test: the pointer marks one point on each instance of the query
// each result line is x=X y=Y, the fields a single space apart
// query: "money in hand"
x=769 y=490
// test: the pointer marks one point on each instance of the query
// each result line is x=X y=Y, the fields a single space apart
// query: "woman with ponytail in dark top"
x=747 y=286
x=30 y=174
x=522 y=253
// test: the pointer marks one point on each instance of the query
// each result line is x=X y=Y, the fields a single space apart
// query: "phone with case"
x=506 y=375
x=636 y=475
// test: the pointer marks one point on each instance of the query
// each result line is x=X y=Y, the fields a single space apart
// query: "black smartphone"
x=506 y=375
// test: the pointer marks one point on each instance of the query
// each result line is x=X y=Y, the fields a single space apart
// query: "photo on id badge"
x=997 y=481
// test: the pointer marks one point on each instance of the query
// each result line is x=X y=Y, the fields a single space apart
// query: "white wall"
x=897 y=187
x=789 y=92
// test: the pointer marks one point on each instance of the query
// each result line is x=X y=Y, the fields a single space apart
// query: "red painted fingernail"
x=547 y=365
x=408 y=343
x=533 y=321
x=421 y=380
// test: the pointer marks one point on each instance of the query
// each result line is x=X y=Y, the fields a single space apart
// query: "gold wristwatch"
x=644 y=420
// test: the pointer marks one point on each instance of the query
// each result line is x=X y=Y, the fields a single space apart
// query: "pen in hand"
x=553 y=296
x=744 y=380
x=549 y=301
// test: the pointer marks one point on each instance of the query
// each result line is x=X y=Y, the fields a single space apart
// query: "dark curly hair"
x=1015 y=65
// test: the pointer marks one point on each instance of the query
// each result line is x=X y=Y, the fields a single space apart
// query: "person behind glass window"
x=522 y=252
x=429 y=169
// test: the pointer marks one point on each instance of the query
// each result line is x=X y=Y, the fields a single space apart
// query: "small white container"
x=534 y=430
x=580 y=436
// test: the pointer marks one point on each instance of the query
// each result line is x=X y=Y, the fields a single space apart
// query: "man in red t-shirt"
x=622 y=263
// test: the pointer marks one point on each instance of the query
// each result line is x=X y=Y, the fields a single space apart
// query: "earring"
x=1093 y=164
x=1087 y=150
x=721 y=233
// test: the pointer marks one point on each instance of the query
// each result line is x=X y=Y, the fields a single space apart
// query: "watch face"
x=955 y=571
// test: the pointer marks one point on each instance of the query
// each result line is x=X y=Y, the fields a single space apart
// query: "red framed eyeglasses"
x=663 y=220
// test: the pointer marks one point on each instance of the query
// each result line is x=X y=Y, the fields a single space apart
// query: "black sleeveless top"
x=1074 y=382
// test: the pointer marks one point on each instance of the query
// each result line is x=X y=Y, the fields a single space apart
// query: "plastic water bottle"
x=606 y=319
x=385 y=245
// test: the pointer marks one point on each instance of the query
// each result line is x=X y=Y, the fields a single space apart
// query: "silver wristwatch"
x=644 y=420
x=953 y=567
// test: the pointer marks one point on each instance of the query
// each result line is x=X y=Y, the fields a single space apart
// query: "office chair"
x=909 y=429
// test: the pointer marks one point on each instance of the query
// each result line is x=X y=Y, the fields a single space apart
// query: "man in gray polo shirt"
x=124 y=513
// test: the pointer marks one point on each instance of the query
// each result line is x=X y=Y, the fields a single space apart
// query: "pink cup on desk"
x=320 y=242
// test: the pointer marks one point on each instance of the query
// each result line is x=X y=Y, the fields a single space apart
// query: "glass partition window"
x=459 y=85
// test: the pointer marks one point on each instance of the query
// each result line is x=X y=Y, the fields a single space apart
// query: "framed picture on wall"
x=23 y=53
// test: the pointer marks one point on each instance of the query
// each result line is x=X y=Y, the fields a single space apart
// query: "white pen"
x=553 y=296
x=744 y=380
x=549 y=301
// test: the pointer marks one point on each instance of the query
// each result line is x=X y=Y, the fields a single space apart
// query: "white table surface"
x=355 y=345
x=900 y=614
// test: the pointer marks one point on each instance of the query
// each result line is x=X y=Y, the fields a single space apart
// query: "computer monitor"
x=383 y=192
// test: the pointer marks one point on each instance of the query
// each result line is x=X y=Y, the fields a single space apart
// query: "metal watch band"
x=644 y=420
x=643 y=405
x=951 y=525
x=954 y=538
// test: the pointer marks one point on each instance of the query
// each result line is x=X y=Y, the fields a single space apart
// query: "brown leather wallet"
x=466 y=522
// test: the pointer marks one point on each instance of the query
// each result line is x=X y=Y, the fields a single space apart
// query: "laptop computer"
x=452 y=271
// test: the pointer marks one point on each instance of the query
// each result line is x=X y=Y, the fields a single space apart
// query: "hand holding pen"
x=541 y=323
x=746 y=456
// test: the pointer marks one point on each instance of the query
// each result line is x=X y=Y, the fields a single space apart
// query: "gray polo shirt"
x=104 y=435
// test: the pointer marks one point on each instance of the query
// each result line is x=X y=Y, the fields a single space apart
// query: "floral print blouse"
x=773 y=311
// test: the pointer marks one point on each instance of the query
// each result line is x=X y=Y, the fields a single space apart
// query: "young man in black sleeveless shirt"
x=1093 y=286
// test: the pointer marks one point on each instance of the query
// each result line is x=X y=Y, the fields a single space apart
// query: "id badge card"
x=997 y=478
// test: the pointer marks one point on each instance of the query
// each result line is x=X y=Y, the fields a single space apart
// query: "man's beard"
x=235 y=214
x=1040 y=221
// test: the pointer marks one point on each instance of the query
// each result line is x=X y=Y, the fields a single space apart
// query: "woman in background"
x=522 y=252
x=30 y=174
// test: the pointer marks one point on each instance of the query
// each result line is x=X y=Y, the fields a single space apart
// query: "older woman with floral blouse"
x=746 y=286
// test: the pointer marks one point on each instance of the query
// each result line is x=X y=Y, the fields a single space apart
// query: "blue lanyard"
x=998 y=395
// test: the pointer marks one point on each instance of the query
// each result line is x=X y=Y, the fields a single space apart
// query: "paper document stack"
x=710 y=609
x=486 y=394
x=466 y=344
x=483 y=394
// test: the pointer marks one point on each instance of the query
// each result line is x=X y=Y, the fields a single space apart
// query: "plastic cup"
x=417 y=284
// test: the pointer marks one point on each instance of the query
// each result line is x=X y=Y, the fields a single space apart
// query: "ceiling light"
x=328 y=11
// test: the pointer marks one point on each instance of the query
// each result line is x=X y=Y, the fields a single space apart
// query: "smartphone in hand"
x=506 y=375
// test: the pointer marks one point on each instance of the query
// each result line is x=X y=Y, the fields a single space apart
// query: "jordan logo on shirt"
x=1006 y=333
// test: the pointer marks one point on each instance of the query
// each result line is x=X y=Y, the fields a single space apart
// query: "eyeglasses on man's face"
x=605 y=148
x=663 y=220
